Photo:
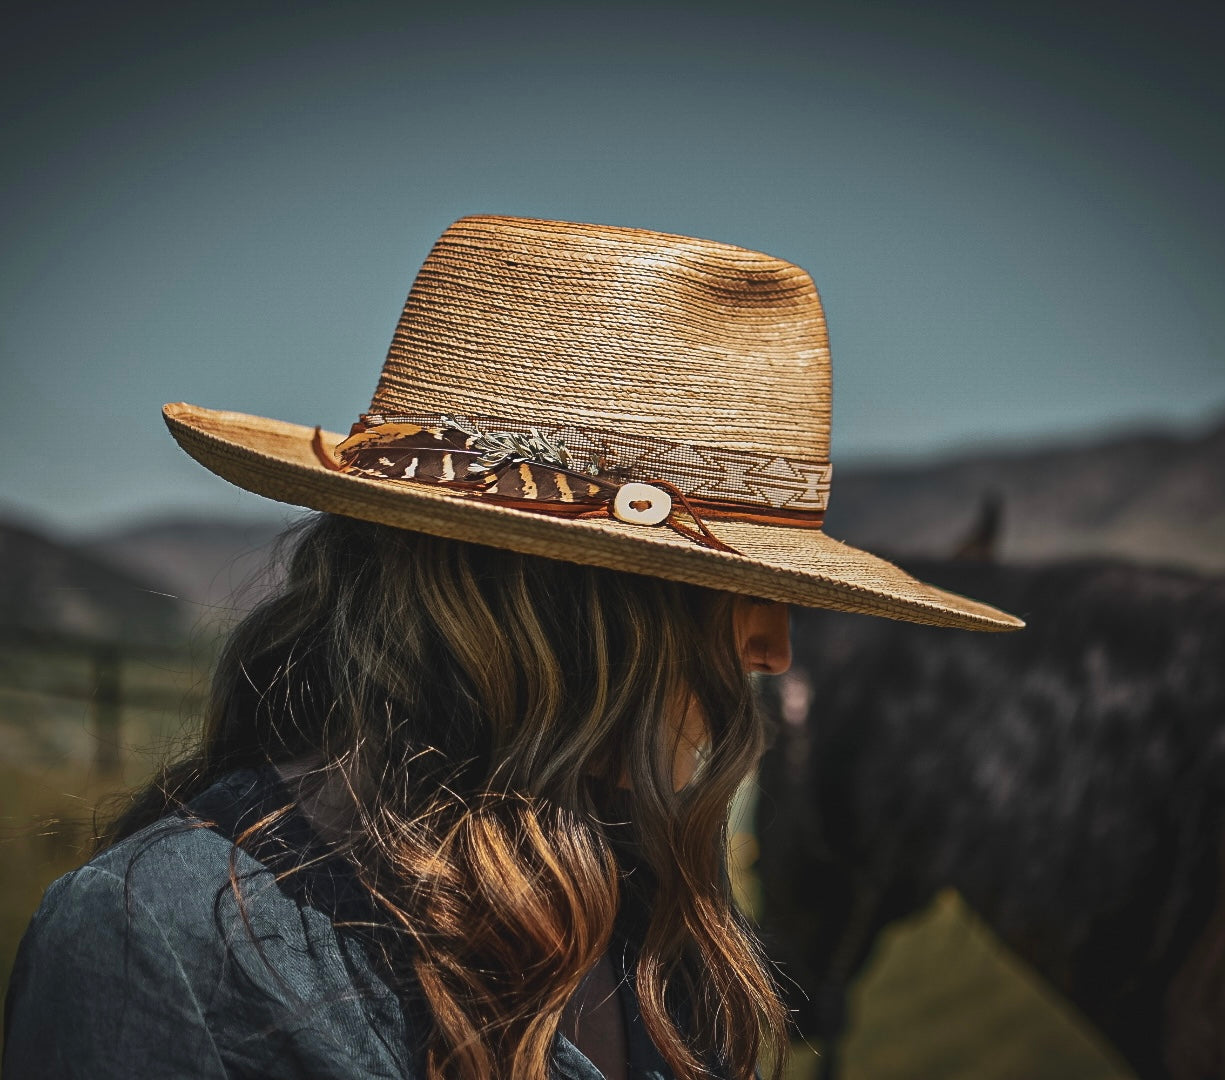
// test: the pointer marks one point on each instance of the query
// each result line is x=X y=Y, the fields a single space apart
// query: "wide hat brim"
x=776 y=562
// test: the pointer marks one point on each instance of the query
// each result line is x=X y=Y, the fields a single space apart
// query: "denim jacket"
x=142 y=963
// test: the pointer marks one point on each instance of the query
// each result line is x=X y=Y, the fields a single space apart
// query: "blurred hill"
x=215 y=568
x=55 y=593
x=1152 y=498
x=104 y=645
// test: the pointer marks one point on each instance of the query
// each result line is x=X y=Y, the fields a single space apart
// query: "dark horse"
x=1068 y=780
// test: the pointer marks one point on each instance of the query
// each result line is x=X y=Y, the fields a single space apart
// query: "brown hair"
x=472 y=715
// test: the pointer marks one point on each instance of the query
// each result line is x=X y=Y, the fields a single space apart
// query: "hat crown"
x=619 y=330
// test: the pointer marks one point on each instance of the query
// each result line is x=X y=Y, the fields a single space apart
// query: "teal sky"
x=1012 y=212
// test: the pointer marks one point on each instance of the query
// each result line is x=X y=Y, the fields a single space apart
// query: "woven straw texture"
x=631 y=331
x=624 y=331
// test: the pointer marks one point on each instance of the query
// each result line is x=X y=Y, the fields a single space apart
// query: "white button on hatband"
x=642 y=504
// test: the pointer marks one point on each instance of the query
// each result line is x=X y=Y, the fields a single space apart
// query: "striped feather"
x=425 y=464
x=403 y=451
x=542 y=483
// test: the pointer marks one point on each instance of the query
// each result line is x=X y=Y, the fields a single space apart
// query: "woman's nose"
x=765 y=637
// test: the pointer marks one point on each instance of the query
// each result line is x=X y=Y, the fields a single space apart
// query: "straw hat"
x=609 y=396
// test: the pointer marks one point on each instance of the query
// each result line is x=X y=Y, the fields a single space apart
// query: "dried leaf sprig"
x=498 y=448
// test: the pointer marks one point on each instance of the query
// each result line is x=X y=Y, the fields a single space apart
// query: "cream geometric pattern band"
x=701 y=472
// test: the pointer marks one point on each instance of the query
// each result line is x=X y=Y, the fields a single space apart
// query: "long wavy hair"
x=493 y=736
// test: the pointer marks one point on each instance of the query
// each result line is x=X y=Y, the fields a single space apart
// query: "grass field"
x=941 y=998
x=57 y=780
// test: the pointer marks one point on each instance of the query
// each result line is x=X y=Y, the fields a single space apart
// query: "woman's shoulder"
x=178 y=892
x=179 y=947
x=170 y=870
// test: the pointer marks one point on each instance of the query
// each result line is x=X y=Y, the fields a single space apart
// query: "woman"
x=460 y=804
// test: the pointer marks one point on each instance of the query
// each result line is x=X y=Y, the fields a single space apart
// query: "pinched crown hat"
x=616 y=397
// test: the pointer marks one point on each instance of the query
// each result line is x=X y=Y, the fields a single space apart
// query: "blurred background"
x=1012 y=213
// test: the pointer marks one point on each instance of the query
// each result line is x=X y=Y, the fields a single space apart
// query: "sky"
x=1012 y=211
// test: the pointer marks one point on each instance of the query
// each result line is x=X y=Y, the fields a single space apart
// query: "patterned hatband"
x=769 y=481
